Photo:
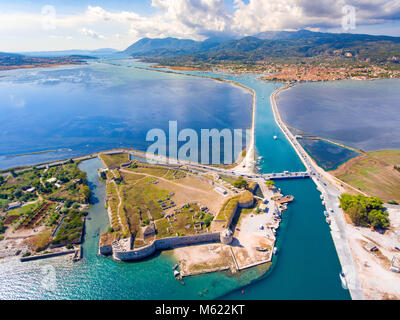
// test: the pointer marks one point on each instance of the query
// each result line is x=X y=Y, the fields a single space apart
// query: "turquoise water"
x=306 y=266
x=98 y=277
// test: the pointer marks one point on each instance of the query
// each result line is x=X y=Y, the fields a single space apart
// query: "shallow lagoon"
x=75 y=111
x=361 y=114
x=327 y=155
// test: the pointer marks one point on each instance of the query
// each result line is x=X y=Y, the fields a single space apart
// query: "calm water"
x=327 y=155
x=97 y=277
x=360 y=114
x=306 y=267
x=79 y=110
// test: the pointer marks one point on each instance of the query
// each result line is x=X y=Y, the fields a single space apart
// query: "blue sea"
x=306 y=267
x=79 y=110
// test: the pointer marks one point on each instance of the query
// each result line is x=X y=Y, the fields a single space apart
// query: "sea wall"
x=47 y=255
x=105 y=250
x=162 y=244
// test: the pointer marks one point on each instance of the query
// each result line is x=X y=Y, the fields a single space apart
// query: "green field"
x=144 y=202
x=228 y=208
x=374 y=173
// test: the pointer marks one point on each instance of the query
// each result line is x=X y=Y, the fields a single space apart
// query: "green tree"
x=269 y=183
x=364 y=210
x=240 y=183
x=208 y=219
x=86 y=192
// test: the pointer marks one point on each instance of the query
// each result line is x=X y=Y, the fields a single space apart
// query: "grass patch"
x=114 y=160
x=373 y=173
x=71 y=229
x=40 y=241
x=228 y=208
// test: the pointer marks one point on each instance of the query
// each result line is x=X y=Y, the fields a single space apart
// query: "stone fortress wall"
x=162 y=244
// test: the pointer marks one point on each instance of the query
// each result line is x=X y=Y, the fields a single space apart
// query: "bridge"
x=286 y=175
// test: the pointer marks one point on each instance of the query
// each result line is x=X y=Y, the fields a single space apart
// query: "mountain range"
x=269 y=45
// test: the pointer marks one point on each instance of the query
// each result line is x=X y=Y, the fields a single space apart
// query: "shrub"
x=240 y=183
x=365 y=211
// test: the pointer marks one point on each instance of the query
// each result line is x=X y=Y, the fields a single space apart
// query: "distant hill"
x=169 y=46
x=98 y=52
x=148 y=46
x=15 y=61
x=270 y=45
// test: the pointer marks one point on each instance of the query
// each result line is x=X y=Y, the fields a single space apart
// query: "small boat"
x=177 y=275
x=275 y=137
x=326 y=213
x=275 y=250
x=343 y=279
x=175 y=267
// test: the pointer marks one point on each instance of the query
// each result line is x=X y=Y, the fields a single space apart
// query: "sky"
x=84 y=24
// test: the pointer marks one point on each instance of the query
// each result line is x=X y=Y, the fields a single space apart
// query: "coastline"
x=237 y=165
x=95 y=154
x=330 y=188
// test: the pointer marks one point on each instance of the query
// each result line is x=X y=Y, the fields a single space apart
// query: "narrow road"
x=331 y=188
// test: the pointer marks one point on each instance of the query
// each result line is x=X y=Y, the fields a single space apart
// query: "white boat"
x=275 y=137
x=275 y=250
x=343 y=279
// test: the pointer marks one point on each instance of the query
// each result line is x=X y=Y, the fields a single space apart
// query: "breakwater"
x=48 y=255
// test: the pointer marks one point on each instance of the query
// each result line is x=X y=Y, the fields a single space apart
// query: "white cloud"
x=90 y=33
x=194 y=19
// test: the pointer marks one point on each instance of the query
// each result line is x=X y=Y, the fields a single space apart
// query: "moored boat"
x=343 y=280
